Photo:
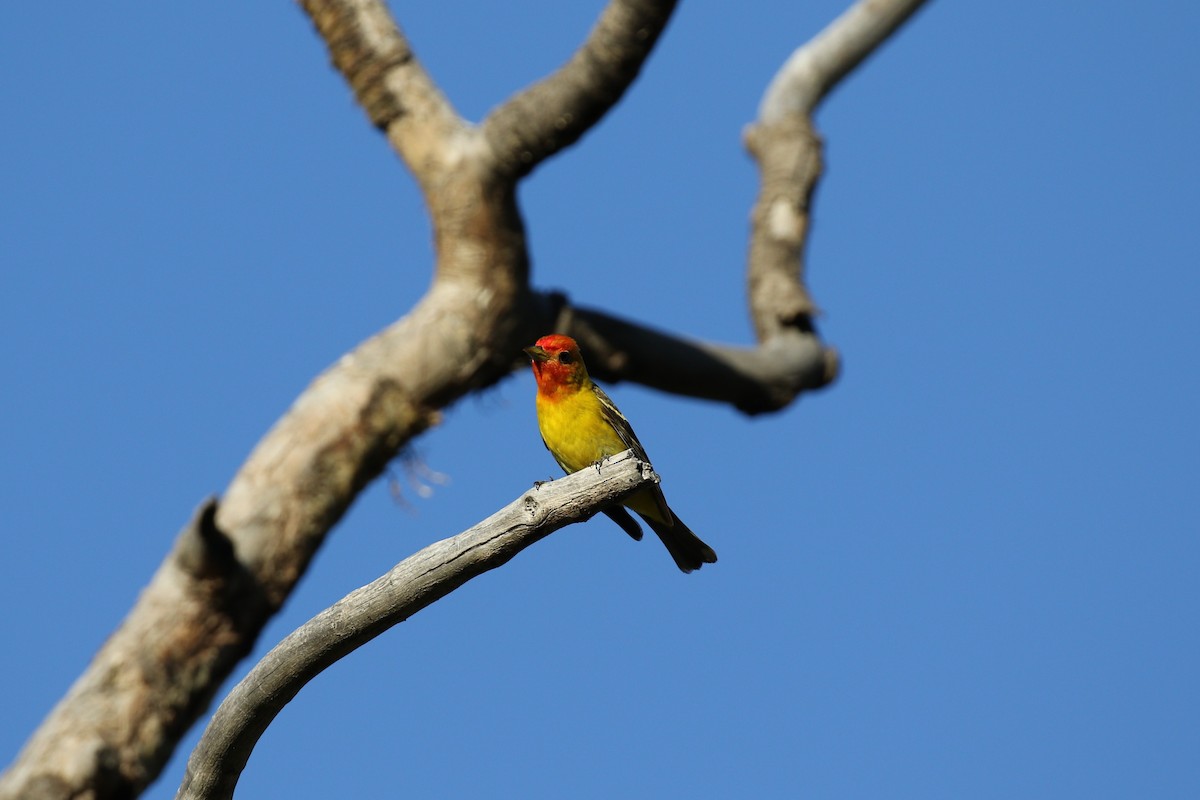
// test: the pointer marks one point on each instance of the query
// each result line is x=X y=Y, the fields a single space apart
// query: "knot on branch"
x=780 y=302
x=203 y=550
x=206 y=555
x=531 y=505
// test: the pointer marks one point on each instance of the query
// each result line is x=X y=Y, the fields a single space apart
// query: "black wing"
x=616 y=419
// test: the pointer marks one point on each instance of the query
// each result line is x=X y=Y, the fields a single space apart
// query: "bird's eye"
x=565 y=358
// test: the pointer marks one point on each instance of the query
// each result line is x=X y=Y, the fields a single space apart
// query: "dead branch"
x=421 y=579
x=237 y=561
x=548 y=116
x=788 y=151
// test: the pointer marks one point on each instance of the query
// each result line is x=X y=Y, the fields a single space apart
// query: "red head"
x=557 y=364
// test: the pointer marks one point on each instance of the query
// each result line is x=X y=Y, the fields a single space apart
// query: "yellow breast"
x=574 y=428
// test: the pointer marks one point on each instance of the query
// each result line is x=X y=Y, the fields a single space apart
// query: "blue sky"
x=968 y=569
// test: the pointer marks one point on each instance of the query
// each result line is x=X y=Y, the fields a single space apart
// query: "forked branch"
x=239 y=559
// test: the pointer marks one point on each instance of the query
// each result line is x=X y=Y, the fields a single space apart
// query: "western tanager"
x=580 y=426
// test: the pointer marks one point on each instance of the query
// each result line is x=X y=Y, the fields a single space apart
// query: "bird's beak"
x=537 y=354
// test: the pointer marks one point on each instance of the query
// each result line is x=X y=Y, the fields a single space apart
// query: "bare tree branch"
x=218 y=760
x=788 y=152
x=237 y=561
x=752 y=379
x=369 y=49
x=552 y=114
x=816 y=67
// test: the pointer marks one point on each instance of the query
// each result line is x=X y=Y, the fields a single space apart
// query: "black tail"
x=684 y=546
x=628 y=524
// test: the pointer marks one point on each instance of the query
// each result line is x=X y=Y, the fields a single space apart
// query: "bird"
x=580 y=426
